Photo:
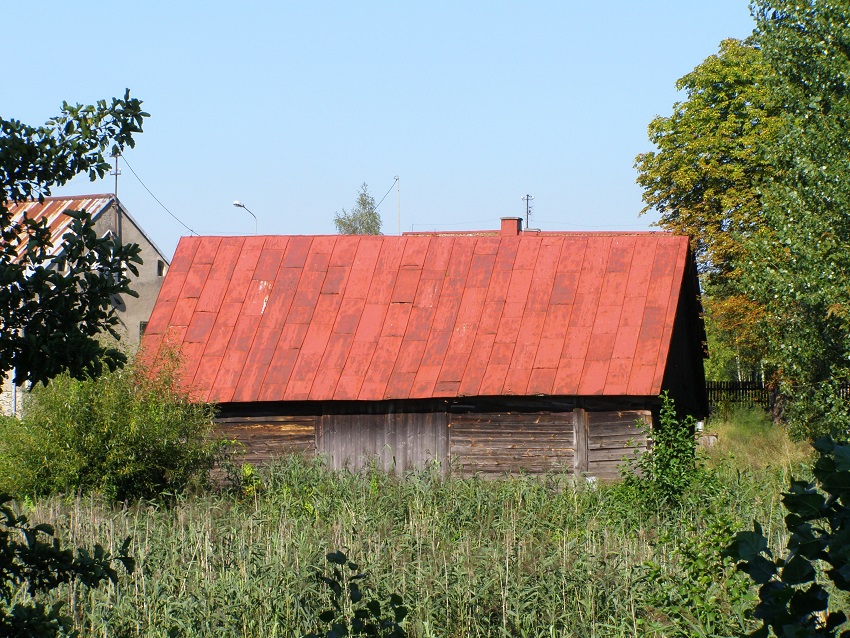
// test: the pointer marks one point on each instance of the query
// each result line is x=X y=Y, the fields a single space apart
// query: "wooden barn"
x=494 y=351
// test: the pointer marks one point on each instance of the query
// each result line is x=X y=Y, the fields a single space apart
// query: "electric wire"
x=155 y=197
x=385 y=194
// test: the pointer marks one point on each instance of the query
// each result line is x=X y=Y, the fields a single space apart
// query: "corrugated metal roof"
x=421 y=316
x=53 y=210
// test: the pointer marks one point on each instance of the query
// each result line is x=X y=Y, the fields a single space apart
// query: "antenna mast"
x=527 y=199
x=116 y=172
x=398 y=201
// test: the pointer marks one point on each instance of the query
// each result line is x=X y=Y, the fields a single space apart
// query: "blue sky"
x=290 y=106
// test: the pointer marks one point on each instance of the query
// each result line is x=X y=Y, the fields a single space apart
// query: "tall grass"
x=517 y=556
x=748 y=438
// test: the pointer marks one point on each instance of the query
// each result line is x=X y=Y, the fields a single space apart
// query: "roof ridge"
x=55 y=198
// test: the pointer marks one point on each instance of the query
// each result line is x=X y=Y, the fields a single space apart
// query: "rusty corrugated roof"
x=420 y=316
x=53 y=209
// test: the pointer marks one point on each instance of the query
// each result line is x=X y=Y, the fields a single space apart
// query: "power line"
x=387 y=193
x=154 y=196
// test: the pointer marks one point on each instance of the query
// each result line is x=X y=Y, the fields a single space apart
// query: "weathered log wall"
x=613 y=437
x=534 y=443
x=265 y=438
x=489 y=442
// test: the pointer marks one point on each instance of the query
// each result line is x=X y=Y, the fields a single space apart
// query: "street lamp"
x=239 y=204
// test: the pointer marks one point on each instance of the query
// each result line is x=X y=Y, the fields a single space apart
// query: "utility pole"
x=527 y=199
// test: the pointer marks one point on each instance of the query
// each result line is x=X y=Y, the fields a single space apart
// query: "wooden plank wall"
x=490 y=443
x=613 y=437
x=395 y=441
x=495 y=443
x=266 y=438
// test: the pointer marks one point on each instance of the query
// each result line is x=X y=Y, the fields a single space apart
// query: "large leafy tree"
x=363 y=219
x=799 y=263
x=54 y=307
x=704 y=181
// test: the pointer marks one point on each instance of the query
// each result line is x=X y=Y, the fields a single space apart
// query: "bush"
x=33 y=564
x=794 y=599
x=670 y=465
x=351 y=612
x=127 y=434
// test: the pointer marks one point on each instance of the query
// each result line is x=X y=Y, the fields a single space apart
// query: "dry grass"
x=748 y=439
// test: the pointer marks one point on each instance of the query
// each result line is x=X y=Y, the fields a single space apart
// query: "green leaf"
x=746 y=546
x=797 y=571
x=807 y=505
x=759 y=569
x=842 y=458
x=837 y=483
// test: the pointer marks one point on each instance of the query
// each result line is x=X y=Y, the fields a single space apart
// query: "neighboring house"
x=110 y=218
x=484 y=351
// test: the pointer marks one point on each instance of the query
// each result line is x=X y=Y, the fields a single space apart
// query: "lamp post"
x=239 y=204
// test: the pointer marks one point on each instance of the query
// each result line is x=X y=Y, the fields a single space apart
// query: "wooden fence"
x=746 y=392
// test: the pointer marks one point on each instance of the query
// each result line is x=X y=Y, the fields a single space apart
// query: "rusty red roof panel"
x=421 y=316
x=53 y=210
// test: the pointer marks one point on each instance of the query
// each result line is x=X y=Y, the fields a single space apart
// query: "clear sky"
x=290 y=106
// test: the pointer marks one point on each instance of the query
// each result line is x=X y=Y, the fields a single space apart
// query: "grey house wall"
x=134 y=312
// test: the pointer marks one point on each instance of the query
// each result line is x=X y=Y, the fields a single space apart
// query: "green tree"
x=53 y=308
x=363 y=219
x=704 y=181
x=799 y=260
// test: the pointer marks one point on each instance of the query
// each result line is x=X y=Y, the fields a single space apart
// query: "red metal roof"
x=421 y=316
x=53 y=210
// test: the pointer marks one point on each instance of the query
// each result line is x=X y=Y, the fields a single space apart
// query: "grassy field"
x=518 y=556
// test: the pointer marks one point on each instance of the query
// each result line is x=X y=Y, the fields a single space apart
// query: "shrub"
x=792 y=601
x=127 y=434
x=670 y=465
x=33 y=564
x=351 y=613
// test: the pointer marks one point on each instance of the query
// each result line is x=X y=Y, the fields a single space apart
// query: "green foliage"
x=696 y=587
x=511 y=556
x=33 y=564
x=52 y=309
x=351 y=612
x=793 y=602
x=127 y=434
x=363 y=219
x=670 y=465
x=704 y=177
x=704 y=180
x=798 y=263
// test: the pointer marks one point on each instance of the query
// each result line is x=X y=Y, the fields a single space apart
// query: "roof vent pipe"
x=511 y=226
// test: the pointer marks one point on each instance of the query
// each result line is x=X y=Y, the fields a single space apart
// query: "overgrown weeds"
x=519 y=556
